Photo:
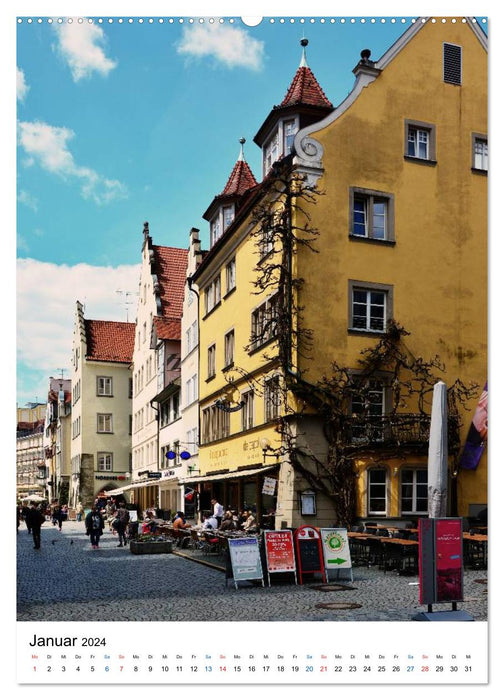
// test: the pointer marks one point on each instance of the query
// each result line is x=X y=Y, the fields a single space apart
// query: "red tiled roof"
x=240 y=180
x=171 y=270
x=110 y=341
x=305 y=90
x=167 y=328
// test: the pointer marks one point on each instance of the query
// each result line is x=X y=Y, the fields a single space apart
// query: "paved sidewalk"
x=67 y=580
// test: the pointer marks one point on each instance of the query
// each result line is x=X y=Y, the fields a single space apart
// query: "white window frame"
x=413 y=130
x=369 y=288
x=272 y=397
x=370 y=198
x=231 y=275
x=263 y=322
x=480 y=160
x=247 y=411
x=370 y=483
x=105 y=461
x=414 y=487
x=102 y=420
x=211 y=353
x=212 y=294
x=229 y=348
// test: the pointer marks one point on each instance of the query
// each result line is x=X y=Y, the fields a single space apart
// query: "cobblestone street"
x=67 y=580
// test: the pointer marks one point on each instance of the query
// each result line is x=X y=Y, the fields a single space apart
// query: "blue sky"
x=121 y=123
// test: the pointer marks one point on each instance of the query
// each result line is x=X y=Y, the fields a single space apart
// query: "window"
x=104 y=386
x=214 y=424
x=176 y=449
x=191 y=389
x=266 y=243
x=367 y=408
x=377 y=491
x=414 y=498
x=104 y=461
x=372 y=214
x=479 y=152
x=452 y=64
x=104 y=422
x=192 y=440
x=130 y=388
x=370 y=306
x=211 y=362
x=215 y=230
x=192 y=337
x=289 y=132
x=229 y=343
x=212 y=295
x=272 y=397
x=420 y=141
x=230 y=275
x=271 y=153
x=227 y=216
x=248 y=410
x=264 y=322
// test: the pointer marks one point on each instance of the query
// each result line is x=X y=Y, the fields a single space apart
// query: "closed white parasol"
x=437 y=466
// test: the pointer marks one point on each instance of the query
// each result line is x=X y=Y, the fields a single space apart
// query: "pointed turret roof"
x=304 y=96
x=241 y=178
x=240 y=181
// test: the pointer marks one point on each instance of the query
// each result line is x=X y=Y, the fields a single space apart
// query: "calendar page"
x=252 y=381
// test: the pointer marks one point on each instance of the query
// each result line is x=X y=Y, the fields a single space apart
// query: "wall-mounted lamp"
x=267 y=449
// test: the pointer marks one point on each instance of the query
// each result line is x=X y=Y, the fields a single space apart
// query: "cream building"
x=156 y=364
x=30 y=462
x=101 y=407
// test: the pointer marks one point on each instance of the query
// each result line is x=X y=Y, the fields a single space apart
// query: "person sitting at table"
x=250 y=523
x=227 y=521
x=179 y=522
x=209 y=522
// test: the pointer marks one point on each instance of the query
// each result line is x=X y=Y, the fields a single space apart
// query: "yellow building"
x=400 y=234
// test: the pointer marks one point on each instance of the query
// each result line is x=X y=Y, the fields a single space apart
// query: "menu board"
x=245 y=559
x=279 y=552
x=309 y=551
x=440 y=560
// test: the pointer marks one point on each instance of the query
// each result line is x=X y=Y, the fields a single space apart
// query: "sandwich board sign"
x=336 y=549
x=245 y=559
x=279 y=553
x=309 y=551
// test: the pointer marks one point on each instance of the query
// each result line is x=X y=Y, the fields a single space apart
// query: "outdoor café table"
x=475 y=550
x=398 y=552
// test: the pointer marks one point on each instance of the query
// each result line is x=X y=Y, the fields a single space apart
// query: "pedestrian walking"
x=25 y=512
x=121 y=523
x=57 y=516
x=34 y=520
x=94 y=526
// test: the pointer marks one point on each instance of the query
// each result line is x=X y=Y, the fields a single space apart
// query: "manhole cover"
x=338 y=606
x=481 y=580
x=330 y=587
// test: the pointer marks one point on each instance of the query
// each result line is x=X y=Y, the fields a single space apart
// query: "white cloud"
x=27 y=199
x=48 y=145
x=21 y=86
x=81 y=45
x=46 y=296
x=232 y=46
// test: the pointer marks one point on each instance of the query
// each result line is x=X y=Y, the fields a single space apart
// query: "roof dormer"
x=221 y=212
x=303 y=104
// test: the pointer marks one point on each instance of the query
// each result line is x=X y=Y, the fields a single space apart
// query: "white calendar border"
x=224 y=8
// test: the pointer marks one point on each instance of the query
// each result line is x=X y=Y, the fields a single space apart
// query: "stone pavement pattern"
x=67 y=580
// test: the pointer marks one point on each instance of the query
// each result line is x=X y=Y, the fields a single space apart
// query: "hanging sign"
x=336 y=549
x=440 y=560
x=309 y=551
x=279 y=552
x=245 y=559
x=269 y=486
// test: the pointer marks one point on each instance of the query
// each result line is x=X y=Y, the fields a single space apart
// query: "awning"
x=227 y=475
x=129 y=487
x=116 y=492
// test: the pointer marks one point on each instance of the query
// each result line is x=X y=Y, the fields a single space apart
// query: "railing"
x=396 y=429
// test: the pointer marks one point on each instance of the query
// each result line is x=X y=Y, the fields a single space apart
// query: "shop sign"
x=245 y=559
x=269 y=486
x=279 y=551
x=440 y=560
x=309 y=551
x=336 y=549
